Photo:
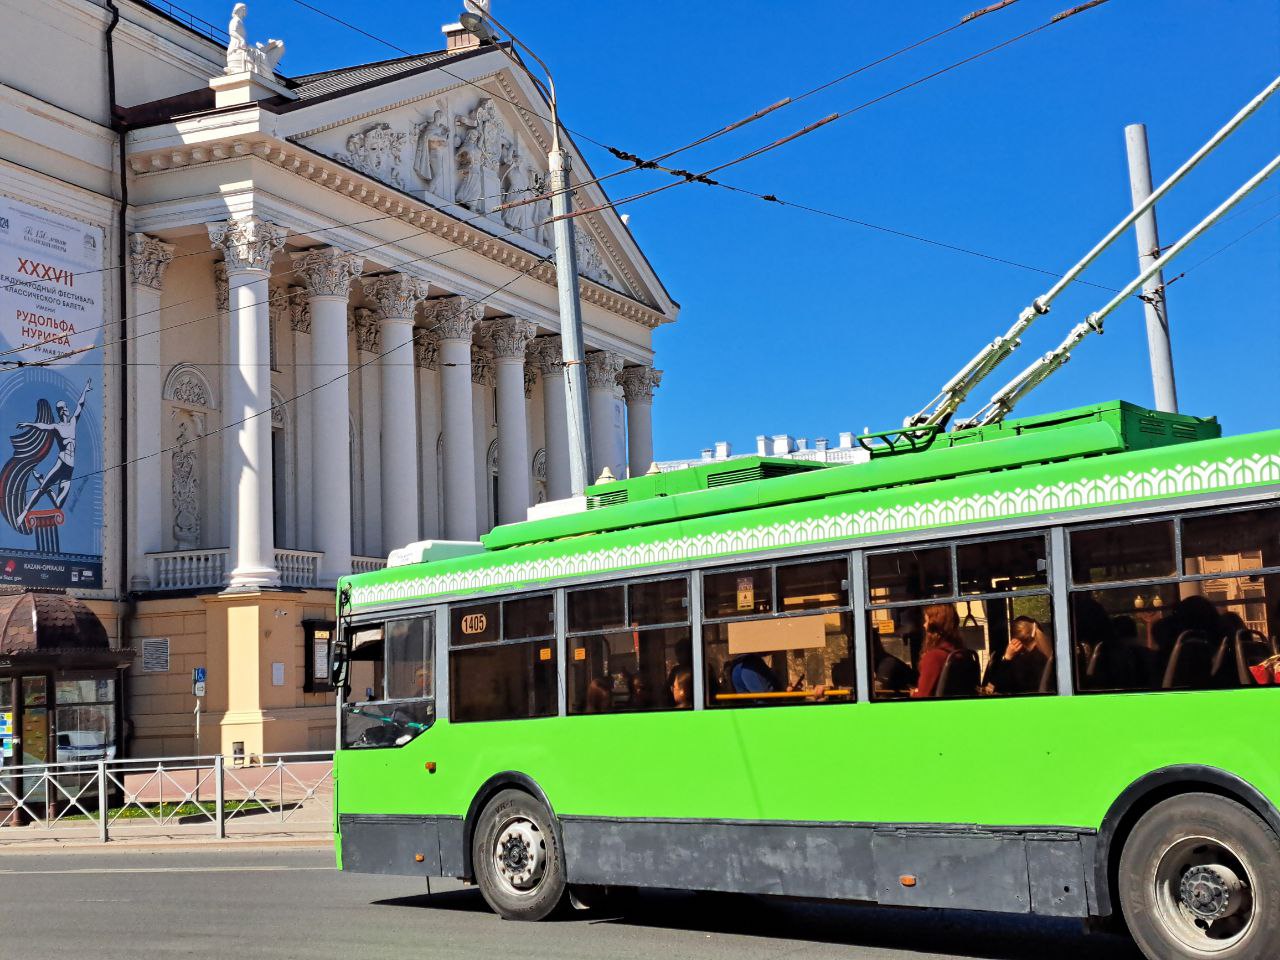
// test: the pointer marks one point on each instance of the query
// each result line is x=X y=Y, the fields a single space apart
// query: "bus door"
x=385 y=674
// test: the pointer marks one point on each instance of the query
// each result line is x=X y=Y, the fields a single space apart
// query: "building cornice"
x=168 y=153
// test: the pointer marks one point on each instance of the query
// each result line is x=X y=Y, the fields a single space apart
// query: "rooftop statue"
x=243 y=58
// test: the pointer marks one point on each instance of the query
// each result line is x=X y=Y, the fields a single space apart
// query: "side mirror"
x=338 y=664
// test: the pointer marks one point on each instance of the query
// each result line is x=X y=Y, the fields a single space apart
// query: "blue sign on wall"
x=51 y=311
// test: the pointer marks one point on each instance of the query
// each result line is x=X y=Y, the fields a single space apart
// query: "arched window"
x=539 y=471
x=491 y=463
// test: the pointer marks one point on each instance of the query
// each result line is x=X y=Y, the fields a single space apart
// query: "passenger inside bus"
x=682 y=688
x=1026 y=660
x=599 y=695
x=946 y=667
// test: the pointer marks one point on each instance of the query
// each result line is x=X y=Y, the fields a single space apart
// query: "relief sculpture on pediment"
x=590 y=263
x=514 y=171
x=431 y=138
x=375 y=150
x=478 y=154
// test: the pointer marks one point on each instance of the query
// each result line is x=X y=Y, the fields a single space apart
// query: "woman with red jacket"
x=941 y=640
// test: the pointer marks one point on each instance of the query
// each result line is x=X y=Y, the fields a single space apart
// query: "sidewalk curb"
x=165 y=845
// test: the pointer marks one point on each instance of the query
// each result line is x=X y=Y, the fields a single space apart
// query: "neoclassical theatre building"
x=256 y=331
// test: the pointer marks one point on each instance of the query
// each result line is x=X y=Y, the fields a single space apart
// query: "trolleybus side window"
x=1186 y=603
x=392 y=664
x=630 y=647
x=963 y=620
x=502 y=662
x=778 y=634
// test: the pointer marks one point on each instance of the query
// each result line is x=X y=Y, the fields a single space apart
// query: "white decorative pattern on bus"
x=1159 y=482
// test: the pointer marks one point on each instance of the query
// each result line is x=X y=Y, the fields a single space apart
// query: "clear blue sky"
x=793 y=322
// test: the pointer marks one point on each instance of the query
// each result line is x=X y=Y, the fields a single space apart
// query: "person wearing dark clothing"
x=891 y=674
x=1022 y=667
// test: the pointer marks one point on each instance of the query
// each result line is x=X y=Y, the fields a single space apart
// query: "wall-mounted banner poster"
x=51 y=314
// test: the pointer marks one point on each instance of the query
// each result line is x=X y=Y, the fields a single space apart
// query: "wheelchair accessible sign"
x=197 y=681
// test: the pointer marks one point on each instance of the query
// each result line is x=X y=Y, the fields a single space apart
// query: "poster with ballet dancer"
x=51 y=337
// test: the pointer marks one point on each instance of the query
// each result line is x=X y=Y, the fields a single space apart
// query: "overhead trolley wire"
x=769 y=197
x=704 y=176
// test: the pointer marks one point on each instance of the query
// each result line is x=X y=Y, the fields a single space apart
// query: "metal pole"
x=558 y=161
x=1155 y=304
x=197 y=752
x=575 y=368
x=219 y=801
x=102 y=800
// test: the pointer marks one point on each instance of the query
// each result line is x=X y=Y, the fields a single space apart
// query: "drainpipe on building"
x=125 y=620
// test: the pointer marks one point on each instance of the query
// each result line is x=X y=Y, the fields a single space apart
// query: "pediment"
x=468 y=148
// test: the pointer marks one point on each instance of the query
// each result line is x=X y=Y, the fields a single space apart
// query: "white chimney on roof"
x=723 y=449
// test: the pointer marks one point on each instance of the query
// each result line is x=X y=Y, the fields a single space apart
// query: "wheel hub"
x=518 y=854
x=1210 y=892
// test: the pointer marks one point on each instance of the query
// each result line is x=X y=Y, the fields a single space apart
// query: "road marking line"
x=88 y=870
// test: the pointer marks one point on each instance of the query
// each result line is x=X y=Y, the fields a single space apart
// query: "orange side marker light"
x=907 y=880
x=430 y=766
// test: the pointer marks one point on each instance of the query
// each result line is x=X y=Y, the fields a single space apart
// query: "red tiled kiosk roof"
x=47 y=623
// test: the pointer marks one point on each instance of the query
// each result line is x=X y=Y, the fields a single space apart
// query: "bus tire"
x=517 y=861
x=1199 y=878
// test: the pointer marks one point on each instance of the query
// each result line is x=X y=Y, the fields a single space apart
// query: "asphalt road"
x=269 y=904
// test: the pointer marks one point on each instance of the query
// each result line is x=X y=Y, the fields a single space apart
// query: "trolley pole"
x=1155 y=305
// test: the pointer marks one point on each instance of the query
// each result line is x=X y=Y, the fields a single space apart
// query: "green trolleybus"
x=1029 y=667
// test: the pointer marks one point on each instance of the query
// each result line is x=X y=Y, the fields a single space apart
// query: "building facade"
x=283 y=326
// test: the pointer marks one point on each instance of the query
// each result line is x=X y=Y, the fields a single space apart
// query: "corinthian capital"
x=509 y=337
x=247 y=243
x=603 y=367
x=327 y=271
x=148 y=258
x=638 y=383
x=453 y=318
x=548 y=353
x=396 y=294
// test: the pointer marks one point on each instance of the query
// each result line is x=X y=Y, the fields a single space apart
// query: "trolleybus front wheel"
x=1200 y=880
x=518 y=864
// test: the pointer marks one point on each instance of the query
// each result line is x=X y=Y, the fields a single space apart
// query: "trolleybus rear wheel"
x=1200 y=880
x=518 y=864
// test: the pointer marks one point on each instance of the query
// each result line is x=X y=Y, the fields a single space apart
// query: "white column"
x=426 y=356
x=248 y=244
x=481 y=418
x=638 y=384
x=397 y=297
x=550 y=357
x=603 y=367
x=327 y=275
x=229 y=434
x=453 y=320
x=510 y=338
x=303 y=380
x=368 y=346
x=148 y=258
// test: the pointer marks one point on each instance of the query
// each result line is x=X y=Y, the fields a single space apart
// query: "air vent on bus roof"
x=757 y=471
x=609 y=499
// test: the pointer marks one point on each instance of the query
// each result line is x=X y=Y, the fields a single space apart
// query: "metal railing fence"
x=198 y=796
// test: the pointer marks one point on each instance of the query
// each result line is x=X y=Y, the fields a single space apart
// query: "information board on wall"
x=51 y=312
